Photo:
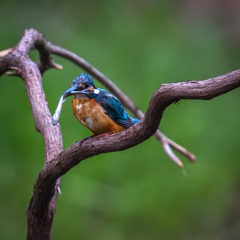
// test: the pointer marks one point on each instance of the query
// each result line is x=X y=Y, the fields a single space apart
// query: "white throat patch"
x=96 y=91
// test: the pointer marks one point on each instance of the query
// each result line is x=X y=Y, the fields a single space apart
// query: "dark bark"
x=42 y=206
x=57 y=162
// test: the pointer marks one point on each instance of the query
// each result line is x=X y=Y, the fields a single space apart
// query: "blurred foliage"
x=138 y=193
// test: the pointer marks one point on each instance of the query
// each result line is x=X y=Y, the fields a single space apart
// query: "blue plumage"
x=114 y=109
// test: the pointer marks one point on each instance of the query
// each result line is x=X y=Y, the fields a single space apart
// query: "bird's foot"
x=104 y=134
x=83 y=140
x=94 y=135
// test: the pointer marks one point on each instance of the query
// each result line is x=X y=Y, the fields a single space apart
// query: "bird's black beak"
x=72 y=90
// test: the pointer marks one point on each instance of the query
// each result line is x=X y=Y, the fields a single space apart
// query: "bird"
x=97 y=109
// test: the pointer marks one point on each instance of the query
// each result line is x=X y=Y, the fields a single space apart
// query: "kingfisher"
x=96 y=109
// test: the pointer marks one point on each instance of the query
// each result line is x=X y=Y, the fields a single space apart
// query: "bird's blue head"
x=84 y=81
x=82 y=84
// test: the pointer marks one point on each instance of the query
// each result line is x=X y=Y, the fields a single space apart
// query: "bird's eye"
x=86 y=85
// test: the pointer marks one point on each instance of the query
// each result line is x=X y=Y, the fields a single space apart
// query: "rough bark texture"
x=42 y=206
x=57 y=162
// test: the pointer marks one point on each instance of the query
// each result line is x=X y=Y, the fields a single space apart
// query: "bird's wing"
x=115 y=110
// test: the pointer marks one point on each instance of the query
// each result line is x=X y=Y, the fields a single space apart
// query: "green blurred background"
x=138 y=193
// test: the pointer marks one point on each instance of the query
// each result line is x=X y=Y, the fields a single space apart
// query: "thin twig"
x=5 y=52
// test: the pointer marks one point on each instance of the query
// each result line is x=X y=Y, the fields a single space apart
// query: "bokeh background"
x=138 y=193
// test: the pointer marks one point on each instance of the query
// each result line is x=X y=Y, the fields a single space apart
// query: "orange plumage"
x=91 y=115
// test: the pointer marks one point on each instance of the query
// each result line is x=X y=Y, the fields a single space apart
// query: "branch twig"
x=5 y=52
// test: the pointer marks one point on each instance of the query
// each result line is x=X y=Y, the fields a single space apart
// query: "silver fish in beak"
x=71 y=91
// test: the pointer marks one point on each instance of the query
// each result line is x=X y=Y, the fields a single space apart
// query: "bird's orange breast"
x=91 y=115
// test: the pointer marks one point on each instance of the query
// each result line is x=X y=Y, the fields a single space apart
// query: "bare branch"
x=125 y=100
x=15 y=72
x=161 y=99
x=166 y=142
x=42 y=207
x=46 y=59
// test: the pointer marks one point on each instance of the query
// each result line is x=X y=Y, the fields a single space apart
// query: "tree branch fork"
x=59 y=161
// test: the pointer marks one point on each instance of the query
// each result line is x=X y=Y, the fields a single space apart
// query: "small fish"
x=57 y=113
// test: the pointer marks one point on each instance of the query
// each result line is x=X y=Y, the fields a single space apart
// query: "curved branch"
x=125 y=100
x=42 y=207
x=161 y=99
